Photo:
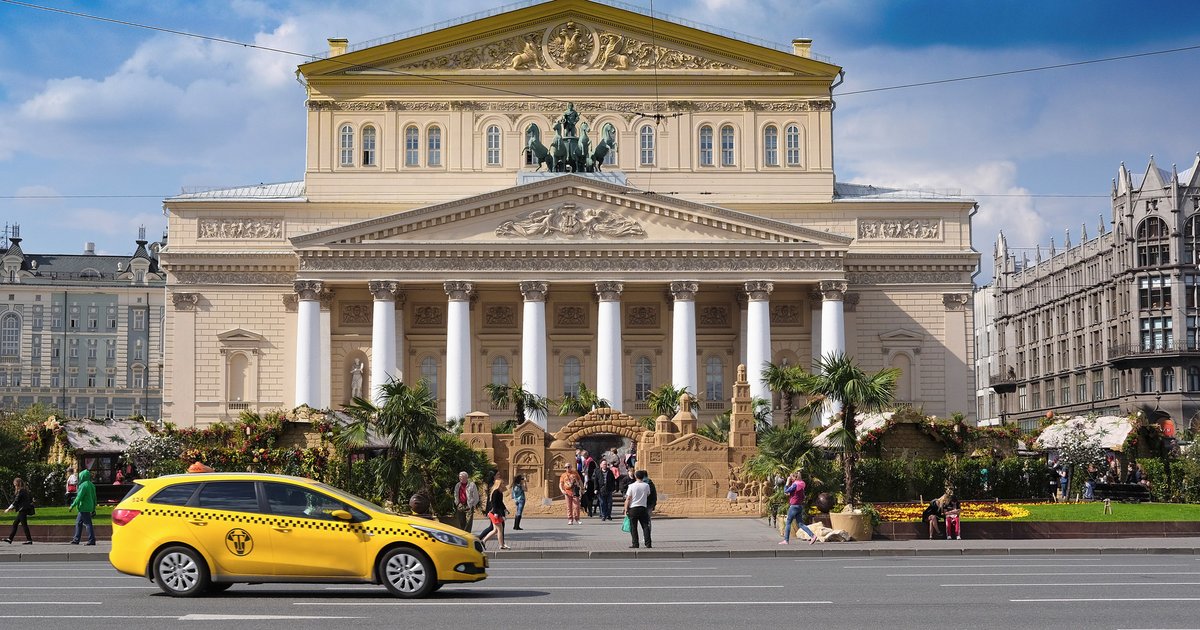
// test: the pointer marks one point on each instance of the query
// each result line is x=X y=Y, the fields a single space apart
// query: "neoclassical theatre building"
x=569 y=192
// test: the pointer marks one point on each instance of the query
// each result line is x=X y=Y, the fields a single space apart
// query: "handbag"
x=31 y=509
x=625 y=524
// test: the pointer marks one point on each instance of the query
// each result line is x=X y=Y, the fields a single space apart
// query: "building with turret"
x=82 y=332
x=1110 y=321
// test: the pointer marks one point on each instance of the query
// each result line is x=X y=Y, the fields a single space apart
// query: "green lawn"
x=60 y=516
x=1122 y=512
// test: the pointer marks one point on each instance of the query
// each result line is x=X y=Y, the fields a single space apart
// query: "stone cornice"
x=600 y=261
x=602 y=107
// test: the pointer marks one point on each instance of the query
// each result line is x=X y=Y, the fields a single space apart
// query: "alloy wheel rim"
x=406 y=573
x=179 y=571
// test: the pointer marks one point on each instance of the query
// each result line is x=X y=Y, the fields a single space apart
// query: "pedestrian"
x=953 y=511
x=466 y=499
x=85 y=502
x=637 y=499
x=795 y=514
x=23 y=503
x=72 y=485
x=935 y=512
x=571 y=486
x=589 y=484
x=611 y=457
x=579 y=460
x=605 y=485
x=496 y=514
x=120 y=478
x=518 y=497
x=631 y=457
x=626 y=480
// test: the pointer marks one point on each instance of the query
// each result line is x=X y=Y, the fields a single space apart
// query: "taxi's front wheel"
x=407 y=572
x=181 y=572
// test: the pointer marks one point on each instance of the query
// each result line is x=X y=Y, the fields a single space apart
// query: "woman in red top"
x=795 y=493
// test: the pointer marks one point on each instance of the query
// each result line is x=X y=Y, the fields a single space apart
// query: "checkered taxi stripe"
x=285 y=522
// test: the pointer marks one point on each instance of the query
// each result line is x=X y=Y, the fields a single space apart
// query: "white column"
x=458 y=349
x=743 y=316
x=758 y=336
x=833 y=333
x=533 y=344
x=326 y=336
x=683 y=336
x=383 y=336
x=608 y=344
x=308 y=342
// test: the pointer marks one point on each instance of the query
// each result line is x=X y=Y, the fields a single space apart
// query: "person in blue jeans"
x=794 y=489
x=518 y=496
x=85 y=502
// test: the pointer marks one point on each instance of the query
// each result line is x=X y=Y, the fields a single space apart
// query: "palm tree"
x=839 y=379
x=407 y=421
x=526 y=404
x=664 y=401
x=783 y=379
x=581 y=403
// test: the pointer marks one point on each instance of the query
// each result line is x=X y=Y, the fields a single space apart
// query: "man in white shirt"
x=636 y=498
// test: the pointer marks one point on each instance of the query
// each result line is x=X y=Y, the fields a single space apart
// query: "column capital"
x=759 y=290
x=185 y=301
x=955 y=301
x=326 y=298
x=535 y=290
x=850 y=302
x=609 y=291
x=386 y=290
x=459 y=291
x=684 y=290
x=833 y=290
x=291 y=302
x=308 y=289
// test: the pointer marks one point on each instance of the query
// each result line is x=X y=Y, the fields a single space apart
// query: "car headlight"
x=441 y=536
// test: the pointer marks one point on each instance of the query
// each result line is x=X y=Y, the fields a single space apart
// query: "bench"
x=1131 y=492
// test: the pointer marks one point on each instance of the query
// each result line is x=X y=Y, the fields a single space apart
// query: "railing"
x=714 y=405
x=238 y=406
x=641 y=405
x=497 y=407
x=1139 y=349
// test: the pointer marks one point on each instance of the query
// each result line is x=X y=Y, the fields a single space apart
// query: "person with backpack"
x=23 y=503
x=85 y=502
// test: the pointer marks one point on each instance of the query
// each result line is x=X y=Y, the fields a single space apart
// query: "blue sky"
x=99 y=122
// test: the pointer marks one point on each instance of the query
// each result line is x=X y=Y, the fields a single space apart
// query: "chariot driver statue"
x=568 y=120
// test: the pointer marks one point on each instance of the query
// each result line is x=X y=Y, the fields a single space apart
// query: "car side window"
x=288 y=500
x=237 y=496
x=178 y=494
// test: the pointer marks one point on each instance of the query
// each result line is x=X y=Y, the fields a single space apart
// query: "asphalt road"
x=1032 y=591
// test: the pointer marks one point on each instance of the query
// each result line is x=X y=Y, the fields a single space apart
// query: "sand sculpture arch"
x=601 y=421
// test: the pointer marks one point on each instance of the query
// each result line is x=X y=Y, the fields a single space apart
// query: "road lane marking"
x=73 y=576
x=51 y=603
x=1108 y=599
x=1076 y=584
x=89 y=616
x=1017 y=566
x=476 y=587
x=1030 y=574
x=73 y=588
x=604 y=604
x=620 y=575
x=203 y=617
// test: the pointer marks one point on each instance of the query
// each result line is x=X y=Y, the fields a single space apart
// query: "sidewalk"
x=705 y=538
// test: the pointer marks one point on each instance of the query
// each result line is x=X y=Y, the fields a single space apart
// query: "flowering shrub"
x=971 y=511
x=155 y=455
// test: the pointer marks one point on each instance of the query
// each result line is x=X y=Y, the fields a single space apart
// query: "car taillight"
x=122 y=517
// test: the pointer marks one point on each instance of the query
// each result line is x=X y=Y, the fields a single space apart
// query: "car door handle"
x=198 y=522
x=282 y=530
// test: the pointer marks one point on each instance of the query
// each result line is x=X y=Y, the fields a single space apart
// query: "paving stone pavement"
x=700 y=537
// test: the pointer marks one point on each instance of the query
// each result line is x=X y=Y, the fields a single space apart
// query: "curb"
x=80 y=556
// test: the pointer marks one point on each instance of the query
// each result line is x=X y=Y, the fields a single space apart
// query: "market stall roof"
x=112 y=435
x=1112 y=431
x=867 y=422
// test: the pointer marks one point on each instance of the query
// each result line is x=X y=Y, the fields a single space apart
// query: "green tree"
x=664 y=401
x=718 y=429
x=838 y=378
x=525 y=404
x=582 y=402
x=783 y=380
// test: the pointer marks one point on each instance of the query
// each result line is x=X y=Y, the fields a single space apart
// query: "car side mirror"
x=341 y=515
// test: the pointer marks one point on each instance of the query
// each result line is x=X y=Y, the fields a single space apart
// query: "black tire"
x=407 y=573
x=218 y=587
x=181 y=572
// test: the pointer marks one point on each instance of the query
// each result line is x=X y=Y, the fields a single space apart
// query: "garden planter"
x=858 y=526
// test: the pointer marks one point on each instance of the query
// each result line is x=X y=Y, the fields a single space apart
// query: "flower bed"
x=971 y=511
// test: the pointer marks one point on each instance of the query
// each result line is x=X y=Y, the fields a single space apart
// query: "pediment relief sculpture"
x=569 y=221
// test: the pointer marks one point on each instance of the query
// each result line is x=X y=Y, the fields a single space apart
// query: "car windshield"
x=351 y=498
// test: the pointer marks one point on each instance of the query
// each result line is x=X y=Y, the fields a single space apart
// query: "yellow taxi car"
x=200 y=533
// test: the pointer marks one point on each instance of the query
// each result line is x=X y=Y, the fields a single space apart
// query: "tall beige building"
x=692 y=223
x=1109 y=323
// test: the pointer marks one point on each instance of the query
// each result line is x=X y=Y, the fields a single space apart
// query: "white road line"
x=89 y=616
x=73 y=576
x=1109 y=599
x=619 y=575
x=1073 y=584
x=72 y=588
x=201 y=617
x=477 y=587
x=1030 y=574
x=51 y=603
x=1017 y=566
x=573 y=604
x=637 y=568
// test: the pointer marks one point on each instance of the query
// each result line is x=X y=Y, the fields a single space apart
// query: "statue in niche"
x=356 y=379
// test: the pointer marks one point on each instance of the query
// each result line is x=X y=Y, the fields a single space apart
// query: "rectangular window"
x=110 y=381
x=112 y=323
x=35 y=379
x=1156 y=333
x=91 y=379
x=55 y=381
x=1080 y=388
x=1154 y=293
x=73 y=381
x=1065 y=389
x=1049 y=393
x=139 y=320
x=139 y=379
x=1097 y=386
x=1022 y=401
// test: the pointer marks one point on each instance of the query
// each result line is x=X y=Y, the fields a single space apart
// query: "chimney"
x=89 y=249
x=337 y=46
x=802 y=47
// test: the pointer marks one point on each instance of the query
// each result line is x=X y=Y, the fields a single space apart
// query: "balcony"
x=1005 y=381
x=1138 y=350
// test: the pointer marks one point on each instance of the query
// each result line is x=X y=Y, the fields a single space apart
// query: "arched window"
x=412 y=146
x=493 y=146
x=429 y=374
x=10 y=336
x=771 y=145
x=706 y=146
x=727 y=146
x=433 y=156
x=1191 y=241
x=1147 y=380
x=714 y=379
x=237 y=375
x=346 y=144
x=571 y=376
x=500 y=371
x=1153 y=246
x=368 y=146
x=646 y=142
x=1168 y=379
x=792 y=133
x=1193 y=379
x=643 y=376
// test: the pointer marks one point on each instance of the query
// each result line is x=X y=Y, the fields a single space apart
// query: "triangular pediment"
x=240 y=336
x=694 y=443
x=570 y=212
x=575 y=36
x=901 y=337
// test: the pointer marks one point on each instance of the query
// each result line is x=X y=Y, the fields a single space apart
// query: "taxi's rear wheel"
x=181 y=572
x=407 y=572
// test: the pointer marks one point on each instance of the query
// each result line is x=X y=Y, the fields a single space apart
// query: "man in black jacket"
x=606 y=484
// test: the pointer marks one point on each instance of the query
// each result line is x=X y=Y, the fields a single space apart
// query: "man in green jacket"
x=85 y=502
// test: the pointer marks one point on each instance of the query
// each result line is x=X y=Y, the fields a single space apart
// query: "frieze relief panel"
x=233 y=277
x=569 y=221
x=641 y=316
x=907 y=277
x=786 y=314
x=223 y=228
x=712 y=316
x=581 y=264
x=355 y=314
x=571 y=316
x=428 y=316
x=500 y=316
x=921 y=229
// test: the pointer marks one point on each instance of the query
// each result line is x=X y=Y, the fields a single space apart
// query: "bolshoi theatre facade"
x=564 y=193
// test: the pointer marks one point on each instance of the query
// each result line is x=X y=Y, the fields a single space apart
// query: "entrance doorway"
x=600 y=445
